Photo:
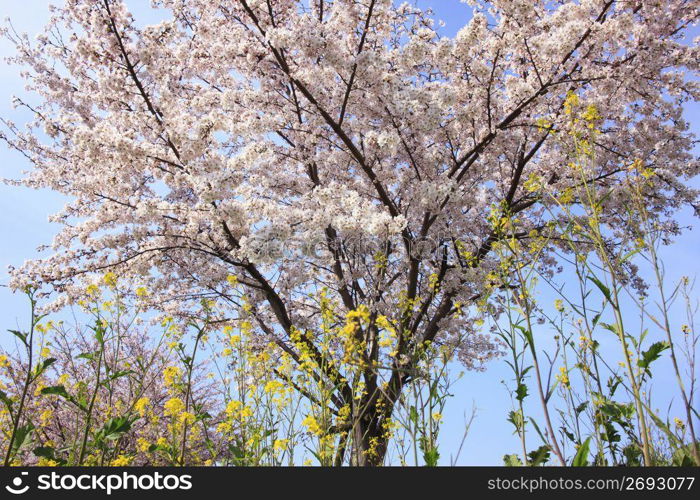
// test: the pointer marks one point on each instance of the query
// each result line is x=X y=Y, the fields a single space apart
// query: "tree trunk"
x=369 y=444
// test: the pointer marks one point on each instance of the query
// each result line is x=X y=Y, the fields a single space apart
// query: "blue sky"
x=24 y=225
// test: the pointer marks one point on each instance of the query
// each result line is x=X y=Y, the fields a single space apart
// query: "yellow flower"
x=572 y=101
x=4 y=361
x=224 y=427
x=437 y=416
x=246 y=327
x=187 y=418
x=46 y=462
x=170 y=373
x=311 y=424
x=273 y=386
x=563 y=376
x=141 y=404
x=591 y=114
x=232 y=280
x=143 y=445
x=433 y=282
x=161 y=441
x=559 y=305
x=46 y=416
x=173 y=407
x=142 y=291
x=233 y=407
x=566 y=197
x=110 y=279
x=121 y=461
x=361 y=314
x=280 y=444
x=385 y=342
x=542 y=123
x=45 y=352
x=344 y=413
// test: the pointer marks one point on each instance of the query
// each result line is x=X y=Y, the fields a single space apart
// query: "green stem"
x=27 y=382
x=88 y=419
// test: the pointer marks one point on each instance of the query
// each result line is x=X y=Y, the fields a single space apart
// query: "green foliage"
x=512 y=461
x=581 y=457
x=651 y=355
x=540 y=456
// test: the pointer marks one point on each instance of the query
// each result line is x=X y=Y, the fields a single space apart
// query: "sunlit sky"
x=24 y=226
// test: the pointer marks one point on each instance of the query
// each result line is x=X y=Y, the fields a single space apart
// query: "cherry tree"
x=341 y=162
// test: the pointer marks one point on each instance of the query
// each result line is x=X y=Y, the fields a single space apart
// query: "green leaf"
x=58 y=390
x=158 y=447
x=604 y=289
x=116 y=427
x=568 y=434
x=413 y=415
x=6 y=399
x=431 y=456
x=44 y=452
x=99 y=333
x=629 y=255
x=651 y=355
x=21 y=336
x=540 y=456
x=521 y=392
x=115 y=376
x=49 y=453
x=512 y=460
x=516 y=418
x=23 y=437
x=580 y=408
x=610 y=434
x=41 y=368
x=633 y=455
x=613 y=383
x=683 y=457
x=581 y=458
x=643 y=335
x=239 y=454
x=528 y=336
x=611 y=328
x=204 y=416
